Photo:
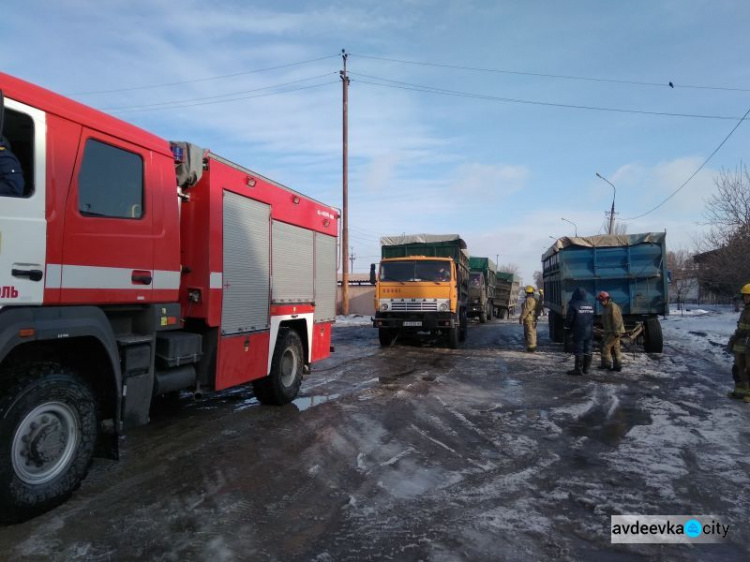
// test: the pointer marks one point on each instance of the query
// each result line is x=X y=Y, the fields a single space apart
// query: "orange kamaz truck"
x=422 y=288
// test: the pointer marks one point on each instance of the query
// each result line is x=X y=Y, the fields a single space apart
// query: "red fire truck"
x=132 y=267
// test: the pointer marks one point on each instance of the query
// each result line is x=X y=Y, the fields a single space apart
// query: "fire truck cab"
x=133 y=267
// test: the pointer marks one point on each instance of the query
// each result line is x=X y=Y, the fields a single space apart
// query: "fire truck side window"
x=18 y=131
x=110 y=183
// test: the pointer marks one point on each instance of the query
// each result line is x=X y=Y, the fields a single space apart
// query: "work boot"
x=576 y=370
x=617 y=366
x=741 y=392
x=586 y=363
x=605 y=365
x=531 y=349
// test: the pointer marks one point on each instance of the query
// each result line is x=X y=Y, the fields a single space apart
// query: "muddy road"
x=421 y=453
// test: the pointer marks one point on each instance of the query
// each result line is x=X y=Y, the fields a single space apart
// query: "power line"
x=365 y=231
x=146 y=108
x=456 y=93
x=163 y=85
x=676 y=191
x=220 y=95
x=668 y=84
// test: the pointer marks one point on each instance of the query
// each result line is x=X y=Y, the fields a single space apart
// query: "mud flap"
x=136 y=400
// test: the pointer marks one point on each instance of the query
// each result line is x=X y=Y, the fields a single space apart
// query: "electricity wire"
x=209 y=78
x=668 y=84
x=676 y=191
x=456 y=93
x=141 y=108
x=159 y=104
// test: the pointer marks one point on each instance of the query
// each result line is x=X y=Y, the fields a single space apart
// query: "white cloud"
x=492 y=181
x=647 y=186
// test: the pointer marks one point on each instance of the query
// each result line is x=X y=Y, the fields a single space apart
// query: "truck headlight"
x=384 y=307
x=443 y=306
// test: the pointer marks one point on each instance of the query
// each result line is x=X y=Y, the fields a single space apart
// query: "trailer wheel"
x=503 y=313
x=385 y=335
x=556 y=327
x=282 y=385
x=551 y=321
x=560 y=329
x=653 y=341
x=483 y=317
x=48 y=429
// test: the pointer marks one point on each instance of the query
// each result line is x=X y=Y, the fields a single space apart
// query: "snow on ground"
x=353 y=320
x=701 y=329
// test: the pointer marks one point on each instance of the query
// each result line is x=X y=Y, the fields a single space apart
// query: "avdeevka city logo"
x=674 y=529
x=693 y=528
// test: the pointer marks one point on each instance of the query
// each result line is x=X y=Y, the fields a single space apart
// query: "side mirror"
x=373 y=277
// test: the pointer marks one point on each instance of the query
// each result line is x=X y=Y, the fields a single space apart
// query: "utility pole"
x=352 y=257
x=612 y=212
x=345 y=229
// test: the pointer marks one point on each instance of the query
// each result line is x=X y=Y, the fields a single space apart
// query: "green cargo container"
x=481 y=288
x=506 y=294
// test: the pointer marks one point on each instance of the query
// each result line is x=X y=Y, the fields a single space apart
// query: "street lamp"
x=571 y=222
x=612 y=212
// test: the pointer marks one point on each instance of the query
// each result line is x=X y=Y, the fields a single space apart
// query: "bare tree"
x=538 y=279
x=724 y=261
x=617 y=228
x=509 y=268
x=684 y=274
x=620 y=228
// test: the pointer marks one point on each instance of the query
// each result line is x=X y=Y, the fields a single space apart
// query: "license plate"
x=407 y=323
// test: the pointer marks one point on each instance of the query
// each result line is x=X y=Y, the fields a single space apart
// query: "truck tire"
x=453 y=337
x=551 y=321
x=653 y=340
x=48 y=429
x=386 y=337
x=483 y=317
x=503 y=313
x=282 y=384
x=560 y=330
x=556 y=327
x=463 y=330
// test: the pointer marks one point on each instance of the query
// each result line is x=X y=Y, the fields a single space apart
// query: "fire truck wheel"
x=282 y=385
x=48 y=428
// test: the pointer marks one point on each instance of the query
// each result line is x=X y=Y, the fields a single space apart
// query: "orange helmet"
x=602 y=296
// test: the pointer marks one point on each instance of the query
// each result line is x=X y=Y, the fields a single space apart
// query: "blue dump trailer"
x=632 y=268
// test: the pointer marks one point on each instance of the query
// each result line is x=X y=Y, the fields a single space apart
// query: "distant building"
x=361 y=294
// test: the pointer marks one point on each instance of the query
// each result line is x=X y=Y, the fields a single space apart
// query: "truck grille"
x=414 y=306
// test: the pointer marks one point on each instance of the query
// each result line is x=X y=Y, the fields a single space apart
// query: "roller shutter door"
x=246 y=277
x=325 y=277
x=293 y=279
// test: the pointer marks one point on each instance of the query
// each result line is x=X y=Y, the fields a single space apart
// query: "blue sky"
x=500 y=173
